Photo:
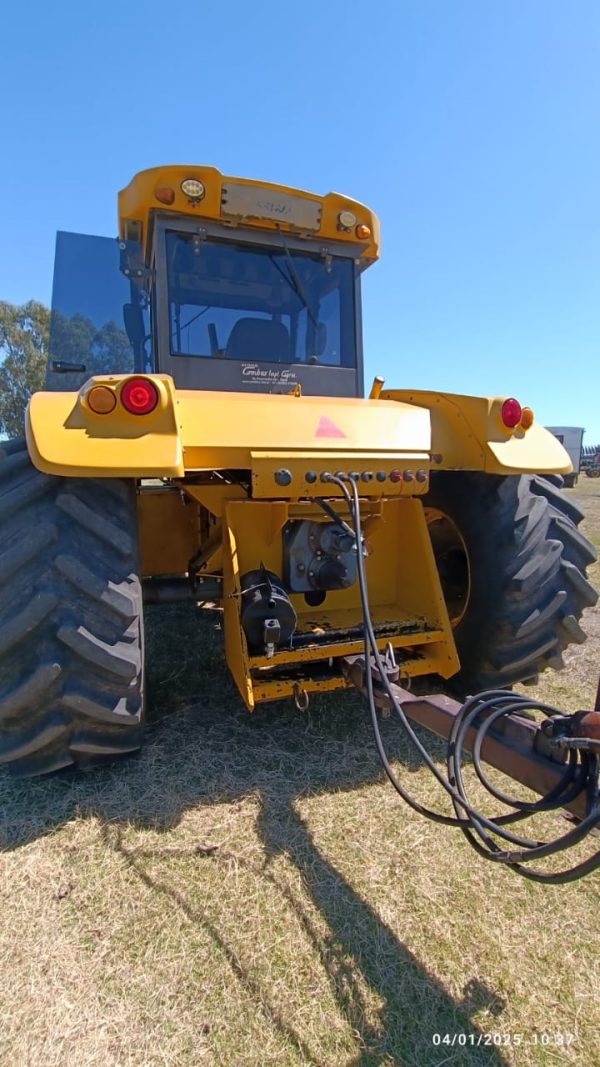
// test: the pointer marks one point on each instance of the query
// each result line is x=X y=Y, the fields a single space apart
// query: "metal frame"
x=516 y=746
x=226 y=373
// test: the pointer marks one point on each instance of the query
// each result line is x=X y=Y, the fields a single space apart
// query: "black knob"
x=311 y=476
x=330 y=574
x=283 y=477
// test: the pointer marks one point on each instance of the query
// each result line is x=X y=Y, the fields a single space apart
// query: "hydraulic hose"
x=480 y=712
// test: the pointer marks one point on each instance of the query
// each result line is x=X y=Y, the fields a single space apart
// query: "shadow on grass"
x=203 y=748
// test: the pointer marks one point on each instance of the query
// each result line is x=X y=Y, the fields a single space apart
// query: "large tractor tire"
x=71 y=624
x=513 y=569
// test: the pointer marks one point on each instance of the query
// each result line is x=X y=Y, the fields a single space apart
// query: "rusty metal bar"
x=515 y=746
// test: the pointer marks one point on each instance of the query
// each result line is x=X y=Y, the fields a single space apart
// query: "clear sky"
x=470 y=126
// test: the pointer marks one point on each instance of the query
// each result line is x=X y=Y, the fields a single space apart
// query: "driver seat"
x=259 y=339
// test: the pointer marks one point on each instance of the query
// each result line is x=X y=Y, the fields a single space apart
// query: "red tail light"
x=139 y=396
x=511 y=413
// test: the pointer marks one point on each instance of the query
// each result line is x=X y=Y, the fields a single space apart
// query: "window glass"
x=236 y=301
x=87 y=326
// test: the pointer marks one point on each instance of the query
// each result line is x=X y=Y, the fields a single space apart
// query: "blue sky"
x=470 y=126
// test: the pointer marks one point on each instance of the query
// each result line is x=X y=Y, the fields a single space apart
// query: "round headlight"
x=347 y=219
x=193 y=188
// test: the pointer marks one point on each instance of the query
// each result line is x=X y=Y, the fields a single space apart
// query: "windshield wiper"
x=293 y=279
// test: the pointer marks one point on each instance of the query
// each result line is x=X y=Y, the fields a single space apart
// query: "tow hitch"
x=557 y=757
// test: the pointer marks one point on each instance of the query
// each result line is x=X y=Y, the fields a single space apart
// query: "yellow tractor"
x=203 y=434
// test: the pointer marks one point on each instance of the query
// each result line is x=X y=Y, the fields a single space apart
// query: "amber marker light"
x=526 y=419
x=139 y=396
x=165 y=194
x=363 y=232
x=101 y=400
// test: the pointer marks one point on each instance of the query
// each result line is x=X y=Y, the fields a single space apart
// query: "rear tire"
x=522 y=574
x=71 y=622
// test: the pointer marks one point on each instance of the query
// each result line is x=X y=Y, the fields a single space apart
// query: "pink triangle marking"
x=327 y=428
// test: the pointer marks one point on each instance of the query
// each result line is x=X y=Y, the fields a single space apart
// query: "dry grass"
x=329 y=926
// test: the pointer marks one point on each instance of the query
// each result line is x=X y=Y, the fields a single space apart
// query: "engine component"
x=318 y=556
x=267 y=616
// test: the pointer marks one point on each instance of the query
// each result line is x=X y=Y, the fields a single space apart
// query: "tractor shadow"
x=202 y=749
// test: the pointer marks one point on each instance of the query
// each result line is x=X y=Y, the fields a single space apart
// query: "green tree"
x=23 y=354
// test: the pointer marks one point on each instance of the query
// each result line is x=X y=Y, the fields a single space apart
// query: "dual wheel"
x=511 y=559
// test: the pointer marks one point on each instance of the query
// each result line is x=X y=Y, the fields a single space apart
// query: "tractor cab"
x=223 y=284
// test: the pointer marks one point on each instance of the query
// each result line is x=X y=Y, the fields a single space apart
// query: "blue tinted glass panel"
x=87 y=328
x=239 y=301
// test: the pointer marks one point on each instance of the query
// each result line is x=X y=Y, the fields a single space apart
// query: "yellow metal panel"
x=138 y=202
x=279 y=688
x=236 y=653
x=223 y=429
x=406 y=600
x=65 y=437
x=214 y=497
x=313 y=653
x=266 y=464
x=468 y=434
x=168 y=531
x=210 y=430
x=539 y=451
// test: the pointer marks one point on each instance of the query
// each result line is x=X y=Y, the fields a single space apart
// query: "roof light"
x=526 y=418
x=139 y=396
x=165 y=194
x=510 y=413
x=101 y=400
x=363 y=232
x=347 y=219
x=193 y=188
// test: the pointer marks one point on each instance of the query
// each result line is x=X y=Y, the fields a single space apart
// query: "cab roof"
x=202 y=192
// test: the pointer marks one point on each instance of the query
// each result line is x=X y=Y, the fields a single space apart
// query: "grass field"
x=251 y=891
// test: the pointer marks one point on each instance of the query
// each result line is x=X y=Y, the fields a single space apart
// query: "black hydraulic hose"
x=476 y=827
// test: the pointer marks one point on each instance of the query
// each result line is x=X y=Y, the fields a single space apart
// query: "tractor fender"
x=66 y=437
x=468 y=434
x=207 y=430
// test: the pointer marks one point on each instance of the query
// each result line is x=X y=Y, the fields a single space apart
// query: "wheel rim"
x=452 y=561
